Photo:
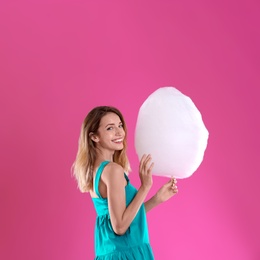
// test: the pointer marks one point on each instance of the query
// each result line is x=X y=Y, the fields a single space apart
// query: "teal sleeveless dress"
x=134 y=244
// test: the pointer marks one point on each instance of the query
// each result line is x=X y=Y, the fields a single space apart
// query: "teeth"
x=118 y=141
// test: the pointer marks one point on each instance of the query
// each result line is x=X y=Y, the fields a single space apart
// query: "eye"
x=120 y=126
x=110 y=128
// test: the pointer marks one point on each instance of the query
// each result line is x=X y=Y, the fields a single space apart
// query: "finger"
x=147 y=159
x=143 y=158
x=142 y=162
x=147 y=162
x=174 y=180
x=150 y=168
x=174 y=187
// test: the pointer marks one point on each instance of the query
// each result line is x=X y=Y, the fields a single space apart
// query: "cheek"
x=108 y=135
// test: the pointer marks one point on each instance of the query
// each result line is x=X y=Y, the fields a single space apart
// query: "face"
x=110 y=134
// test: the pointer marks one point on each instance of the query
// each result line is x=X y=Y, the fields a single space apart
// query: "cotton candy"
x=170 y=128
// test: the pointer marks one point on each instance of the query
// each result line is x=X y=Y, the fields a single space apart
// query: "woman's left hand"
x=167 y=191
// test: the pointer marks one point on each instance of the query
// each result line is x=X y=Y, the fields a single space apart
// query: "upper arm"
x=113 y=177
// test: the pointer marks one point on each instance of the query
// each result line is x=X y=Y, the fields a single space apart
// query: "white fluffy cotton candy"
x=170 y=128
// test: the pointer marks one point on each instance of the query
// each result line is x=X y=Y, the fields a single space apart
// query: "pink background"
x=58 y=59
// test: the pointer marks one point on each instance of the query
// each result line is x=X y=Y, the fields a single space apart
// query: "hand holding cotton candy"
x=170 y=128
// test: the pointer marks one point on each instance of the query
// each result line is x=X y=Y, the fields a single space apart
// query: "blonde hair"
x=87 y=154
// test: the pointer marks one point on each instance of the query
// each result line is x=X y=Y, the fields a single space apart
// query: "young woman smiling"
x=101 y=168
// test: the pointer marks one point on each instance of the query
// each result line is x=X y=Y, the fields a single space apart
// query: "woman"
x=101 y=168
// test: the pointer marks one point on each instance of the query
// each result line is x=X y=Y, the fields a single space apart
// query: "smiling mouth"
x=118 y=140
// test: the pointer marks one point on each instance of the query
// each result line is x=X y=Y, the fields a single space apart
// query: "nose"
x=119 y=131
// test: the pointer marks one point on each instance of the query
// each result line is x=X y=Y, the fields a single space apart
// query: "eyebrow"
x=113 y=124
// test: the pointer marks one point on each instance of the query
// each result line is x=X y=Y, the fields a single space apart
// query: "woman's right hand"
x=145 y=171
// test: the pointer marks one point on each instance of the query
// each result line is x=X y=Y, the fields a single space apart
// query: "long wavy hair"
x=86 y=156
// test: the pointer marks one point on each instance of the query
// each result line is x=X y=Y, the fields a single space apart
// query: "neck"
x=105 y=156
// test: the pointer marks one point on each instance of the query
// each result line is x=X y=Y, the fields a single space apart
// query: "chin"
x=120 y=148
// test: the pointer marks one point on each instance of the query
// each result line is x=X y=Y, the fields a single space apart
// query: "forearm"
x=163 y=194
x=151 y=203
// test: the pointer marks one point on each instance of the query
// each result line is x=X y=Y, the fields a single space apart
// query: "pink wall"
x=58 y=59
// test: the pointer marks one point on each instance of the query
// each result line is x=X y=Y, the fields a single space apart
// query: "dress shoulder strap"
x=126 y=177
x=98 y=175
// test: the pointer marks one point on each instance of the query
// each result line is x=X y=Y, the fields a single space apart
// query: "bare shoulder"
x=112 y=172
